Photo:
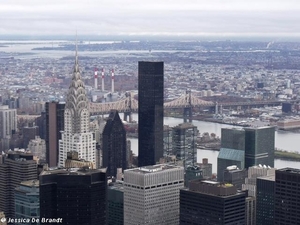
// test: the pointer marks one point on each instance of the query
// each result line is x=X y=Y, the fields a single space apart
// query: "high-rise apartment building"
x=114 y=144
x=151 y=112
x=76 y=135
x=17 y=167
x=259 y=146
x=29 y=133
x=8 y=125
x=265 y=195
x=54 y=125
x=210 y=202
x=232 y=150
x=287 y=194
x=27 y=202
x=151 y=194
x=184 y=143
x=8 y=121
x=75 y=196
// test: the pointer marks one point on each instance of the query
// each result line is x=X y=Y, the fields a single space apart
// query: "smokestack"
x=102 y=79
x=112 y=81
x=96 y=78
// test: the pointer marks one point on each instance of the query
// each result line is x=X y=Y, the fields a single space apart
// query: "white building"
x=76 y=135
x=37 y=147
x=8 y=121
x=151 y=194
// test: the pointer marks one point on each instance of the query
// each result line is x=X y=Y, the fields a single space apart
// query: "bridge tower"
x=187 y=110
x=128 y=108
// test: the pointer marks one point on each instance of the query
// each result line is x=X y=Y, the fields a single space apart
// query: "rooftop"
x=73 y=171
x=154 y=168
x=270 y=178
x=290 y=170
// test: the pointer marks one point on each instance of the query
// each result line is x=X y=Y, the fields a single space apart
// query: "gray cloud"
x=198 y=17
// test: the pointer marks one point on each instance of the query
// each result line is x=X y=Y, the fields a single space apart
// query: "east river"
x=283 y=140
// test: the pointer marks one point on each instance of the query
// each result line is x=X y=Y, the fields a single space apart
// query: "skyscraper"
x=151 y=194
x=259 y=146
x=151 y=112
x=17 y=167
x=210 y=202
x=8 y=125
x=76 y=196
x=265 y=195
x=27 y=201
x=184 y=143
x=232 y=150
x=76 y=135
x=287 y=194
x=53 y=127
x=114 y=144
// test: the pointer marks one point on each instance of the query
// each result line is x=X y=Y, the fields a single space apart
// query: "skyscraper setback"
x=151 y=100
x=77 y=136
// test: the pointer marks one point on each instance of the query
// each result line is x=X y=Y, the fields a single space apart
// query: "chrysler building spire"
x=76 y=135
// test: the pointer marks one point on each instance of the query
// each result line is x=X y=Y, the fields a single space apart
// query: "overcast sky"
x=143 y=17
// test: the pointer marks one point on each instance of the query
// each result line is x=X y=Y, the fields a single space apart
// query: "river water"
x=283 y=140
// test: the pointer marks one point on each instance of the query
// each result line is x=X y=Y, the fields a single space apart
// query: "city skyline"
x=276 y=19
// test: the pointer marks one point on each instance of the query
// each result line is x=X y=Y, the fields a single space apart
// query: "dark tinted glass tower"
x=54 y=126
x=115 y=204
x=78 y=197
x=151 y=112
x=287 y=195
x=259 y=146
x=265 y=194
x=232 y=150
x=114 y=144
x=209 y=202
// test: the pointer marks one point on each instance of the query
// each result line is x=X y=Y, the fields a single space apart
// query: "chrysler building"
x=76 y=135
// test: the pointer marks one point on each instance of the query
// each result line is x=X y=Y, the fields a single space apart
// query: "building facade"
x=8 y=125
x=184 y=143
x=259 y=146
x=151 y=194
x=114 y=144
x=265 y=195
x=37 y=147
x=115 y=204
x=16 y=167
x=54 y=117
x=151 y=112
x=232 y=150
x=287 y=192
x=75 y=196
x=27 y=202
x=209 y=202
x=76 y=135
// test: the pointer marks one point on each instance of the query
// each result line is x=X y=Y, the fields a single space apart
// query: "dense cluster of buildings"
x=83 y=172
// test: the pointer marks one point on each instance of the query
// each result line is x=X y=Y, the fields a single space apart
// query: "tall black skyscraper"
x=265 y=194
x=209 y=202
x=151 y=112
x=287 y=195
x=78 y=197
x=114 y=144
x=54 y=126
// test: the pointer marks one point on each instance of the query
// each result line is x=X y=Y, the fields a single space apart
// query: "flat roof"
x=154 y=168
x=271 y=178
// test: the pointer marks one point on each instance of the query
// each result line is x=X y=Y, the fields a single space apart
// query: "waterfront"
x=283 y=140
